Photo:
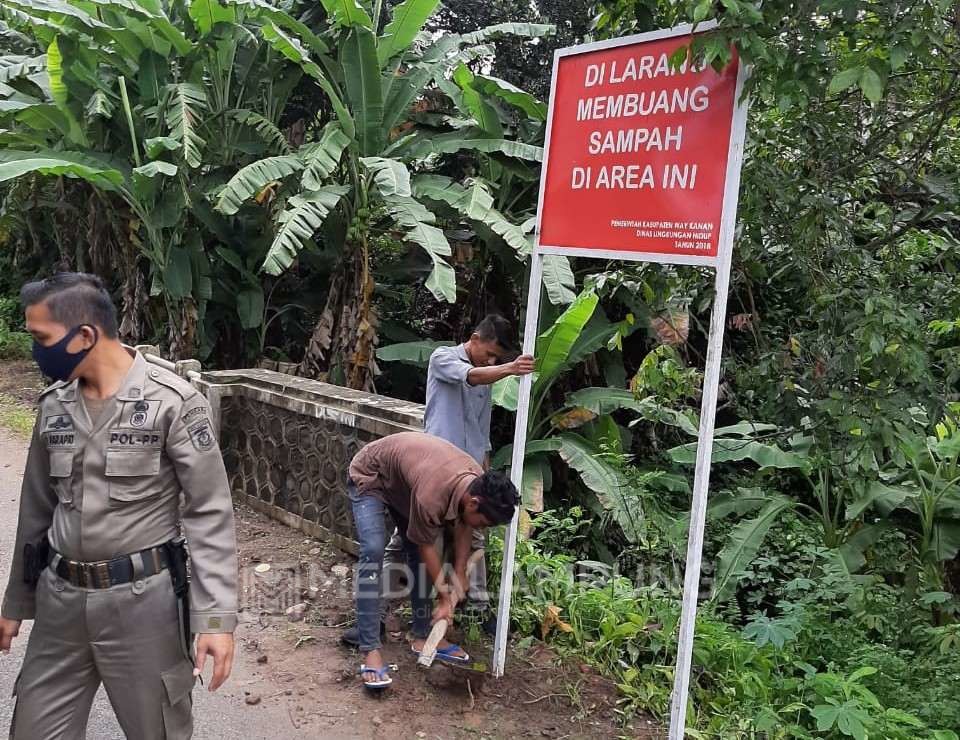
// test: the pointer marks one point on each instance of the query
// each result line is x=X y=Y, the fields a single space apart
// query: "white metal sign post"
x=670 y=112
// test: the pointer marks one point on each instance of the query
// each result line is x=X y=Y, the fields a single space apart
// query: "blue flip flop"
x=447 y=654
x=383 y=676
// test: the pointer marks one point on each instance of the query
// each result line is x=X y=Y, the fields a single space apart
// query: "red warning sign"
x=637 y=152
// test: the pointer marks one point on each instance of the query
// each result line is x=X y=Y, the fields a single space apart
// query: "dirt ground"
x=295 y=602
x=303 y=663
x=20 y=382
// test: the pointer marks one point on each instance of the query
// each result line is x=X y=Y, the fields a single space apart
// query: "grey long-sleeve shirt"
x=457 y=411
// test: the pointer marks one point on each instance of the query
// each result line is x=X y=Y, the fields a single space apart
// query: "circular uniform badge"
x=139 y=416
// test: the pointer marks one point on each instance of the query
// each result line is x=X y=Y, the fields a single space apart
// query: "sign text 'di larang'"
x=637 y=152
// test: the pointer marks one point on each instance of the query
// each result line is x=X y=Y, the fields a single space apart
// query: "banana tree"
x=149 y=109
x=587 y=442
x=922 y=496
x=355 y=182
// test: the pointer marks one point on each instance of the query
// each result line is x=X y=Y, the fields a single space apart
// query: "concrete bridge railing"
x=287 y=441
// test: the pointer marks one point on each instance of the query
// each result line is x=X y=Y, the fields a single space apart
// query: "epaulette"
x=171 y=380
x=54 y=386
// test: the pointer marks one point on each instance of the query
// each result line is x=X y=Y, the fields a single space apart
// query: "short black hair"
x=497 y=497
x=495 y=328
x=74 y=298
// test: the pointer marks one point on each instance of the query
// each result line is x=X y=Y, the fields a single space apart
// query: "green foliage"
x=14 y=343
x=745 y=683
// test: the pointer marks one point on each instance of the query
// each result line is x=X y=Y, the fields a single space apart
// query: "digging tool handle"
x=429 y=651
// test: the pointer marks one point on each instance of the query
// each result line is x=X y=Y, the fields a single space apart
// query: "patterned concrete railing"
x=287 y=442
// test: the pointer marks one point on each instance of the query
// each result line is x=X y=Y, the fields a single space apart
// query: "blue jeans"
x=368 y=514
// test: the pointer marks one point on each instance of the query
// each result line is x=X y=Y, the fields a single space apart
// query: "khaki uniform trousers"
x=128 y=637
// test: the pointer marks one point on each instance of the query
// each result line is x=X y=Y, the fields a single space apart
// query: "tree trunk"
x=184 y=319
x=344 y=339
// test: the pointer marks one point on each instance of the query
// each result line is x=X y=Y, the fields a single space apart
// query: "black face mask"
x=55 y=362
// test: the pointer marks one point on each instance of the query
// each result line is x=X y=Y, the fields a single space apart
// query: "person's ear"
x=89 y=335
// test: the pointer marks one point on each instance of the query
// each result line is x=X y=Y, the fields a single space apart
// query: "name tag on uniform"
x=58 y=431
x=141 y=414
x=138 y=440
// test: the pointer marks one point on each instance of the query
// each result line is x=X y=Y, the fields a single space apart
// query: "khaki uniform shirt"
x=111 y=489
x=422 y=477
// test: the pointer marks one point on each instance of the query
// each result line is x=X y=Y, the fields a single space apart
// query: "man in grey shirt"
x=459 y=381
x=458 y=410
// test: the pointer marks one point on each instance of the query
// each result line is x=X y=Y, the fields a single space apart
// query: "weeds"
x=18 y=419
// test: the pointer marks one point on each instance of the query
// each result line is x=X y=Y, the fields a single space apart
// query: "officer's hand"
x=9 y=628
x=220 y=647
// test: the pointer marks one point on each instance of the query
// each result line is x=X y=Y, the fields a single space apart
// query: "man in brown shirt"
x=427 y=485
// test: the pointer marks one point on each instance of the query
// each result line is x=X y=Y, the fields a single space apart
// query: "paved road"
x=223 y=715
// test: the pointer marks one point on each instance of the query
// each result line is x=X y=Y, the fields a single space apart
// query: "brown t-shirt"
x=420 y=476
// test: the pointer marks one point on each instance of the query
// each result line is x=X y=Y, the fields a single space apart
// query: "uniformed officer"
x=98 y=563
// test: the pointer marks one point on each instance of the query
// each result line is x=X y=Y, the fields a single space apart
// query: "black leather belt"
x=107 y=573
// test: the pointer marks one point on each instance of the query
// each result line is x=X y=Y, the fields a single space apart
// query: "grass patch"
x=16 y=417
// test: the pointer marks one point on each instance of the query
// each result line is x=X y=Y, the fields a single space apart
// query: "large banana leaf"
x=524 y=30
x=361 y=72
x=604 y=400
x=323 y=157
x=407 y=21
x=743 y=501
x=13 y=67
x=303 y=216
x=411 y=216
x=743 y=542
x=145 y=178
x=250 y=307
x=513 y=95
x=154 y=19
x=536 y=481
x=251 y=179
x=554 y=345
x=411 y=353
x=293 y=50
x=347 y=13
x=390 y=175
x=474 y=203
x=183 y=117
x=881 y=496
x=504 y=456
x=734 y=450
x=506 y=392
x=100 y=106
x=944 y=540
x=205 y=14
x=554 y=351
x=14 y=164
x=404 y=89
x=612 y=489
x=456 y=141
x=474 y=103
x=263 y=9
x=47 y=8
x=265 y=128
x=60 y=94
x=558 y=279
